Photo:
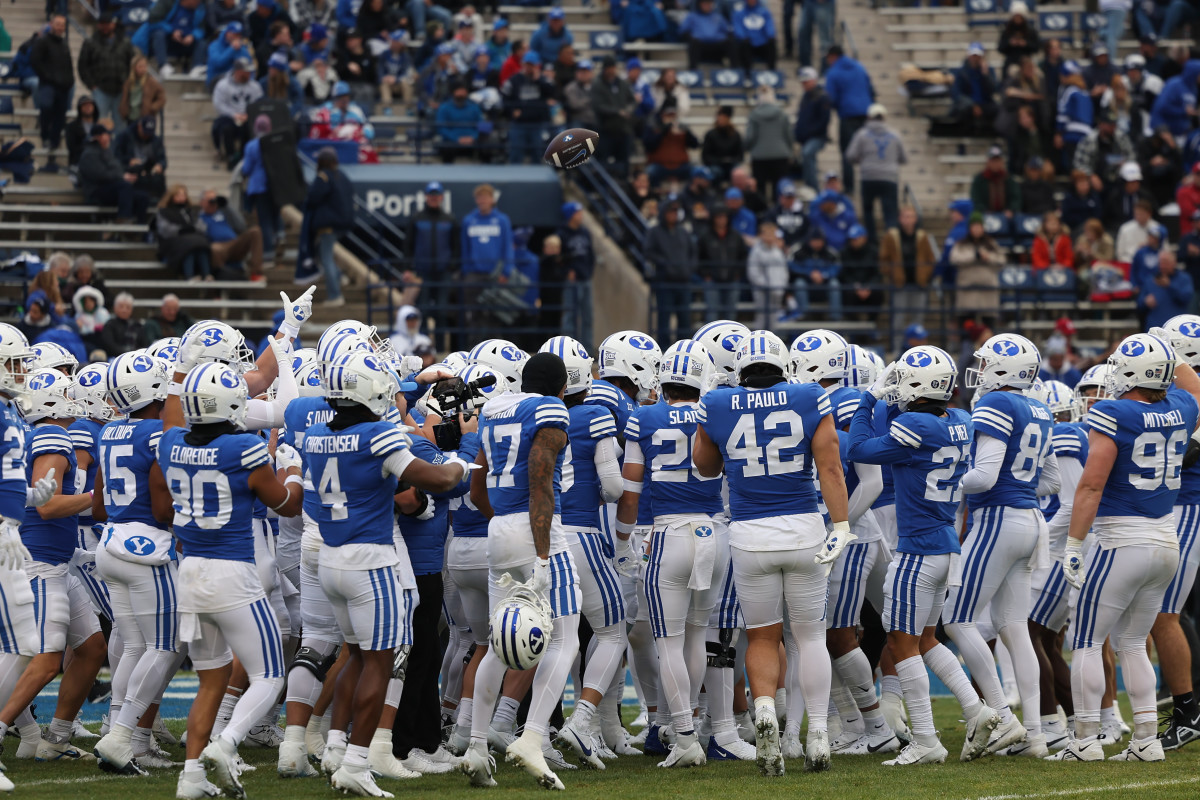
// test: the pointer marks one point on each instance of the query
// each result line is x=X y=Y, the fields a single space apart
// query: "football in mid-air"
x=571 y=148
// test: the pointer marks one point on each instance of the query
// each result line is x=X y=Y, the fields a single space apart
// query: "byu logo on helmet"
x=170 y=352
x=229 y=379
x=313 y=379
x=808 y=343
x=731 y=342
x=511 y=353
x=1006 y=348
x=139 y=545
x=1134 y=348
x=370 y=363
x=641 y=342
x=42 y=381
x=537 y=640
x=90 y=378
x=704 y=532
x=1190 y=330
x=142 y=364
x=919 y=359
x=211 y=336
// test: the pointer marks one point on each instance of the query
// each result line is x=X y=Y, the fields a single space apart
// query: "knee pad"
x=721 y=654
x=313 y=660
x=470 y=653
x=400 y=662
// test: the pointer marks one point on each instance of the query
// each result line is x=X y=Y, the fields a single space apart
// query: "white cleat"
x=640 y=739
x=745 y=726
x=1032 y=747
x=845 y=740
x=293 y=761
x=526 y=753
x=5 y=784
x=314 y=743
x=555 y=759
x=690 y=754
x=360 y=781
x=641 y=720
x=332 y=758
x=221 y=761
x=383 y=761
x=439 y=762
x=768 y=755
x=791 y=747
x=1055 y=742
x=155 y=758
x=498 y=740
x=870 y=744
x=104 y=726
x=28 y=748
x=979 y=731
x=459 y=740
x=816 y=755
x=894 y=714
x=1111 y=733
x=1006 y=735
x=915 y=753
x=625 y=745
x=582 y=742
x=1142 y=750
x=78 y=731
x=737 y=750
x=162 y=733
x=1080 y=750
x=264 y=734
x=117 y=757
x=60 y=751
x=195 y=786
x=479 y=767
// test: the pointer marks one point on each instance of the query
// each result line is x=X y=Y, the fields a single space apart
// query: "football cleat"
x=1057 y=741
x=382 y=761
x=526 y=753
x=479 y=766
x=498 y=740
x=220 y=759
x=1110 y=733
x=117 y=757
x=690 y=754
x=870 y=744
x=439 y=762
x=293 y=761
x=1006 y=735
x=844 y=740
x=917 y=753
x=653 y=745
x=625 y=745
x=816 y=755
x=582 y=742
x=5 y=784
x=1032 y=747
x=1080 y=750
x=360 y=781
x=555 y=759
x=332 y=758
x=459 y=741
x=156 y=758
x=264 y=734
x=194 y=786
x=1150 y=749
x=59 y=751
x=164 y=736
x=745 y=726
x=737 y=750
x=790 y=746
x=767 y=753
x=979 y=730
x=1180 y=731
x=80 y=732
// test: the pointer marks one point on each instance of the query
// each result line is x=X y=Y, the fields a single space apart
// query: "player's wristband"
x=290 y=479
x=625 y=528
x=174 y=388
x=633 y=487
x=289 y=331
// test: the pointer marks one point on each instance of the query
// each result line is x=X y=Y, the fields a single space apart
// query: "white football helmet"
x=135 y=380
x=332 y=349
x=575 y=357
x=1061 y=400
x=1183 y=334
x=213 y=341
x=762 y=347
x=378 y=342
x=364 y=379
x=308 y=381
x=687 y=362
x=46 y=396
x=1141 y=361
x=862 y=367
x=721 y=339
x=1095 y=378
x=90 y=391
x=818 y=355
x=1037 y=391
x=924 y=372
x=633 y=355
x=503 y=357
x=473 y=372
x=166 y=348
x=49 y=355
x=15 y=359
x=520 y=628
x=1006 y=359
x=214 y=393
x=305 y=356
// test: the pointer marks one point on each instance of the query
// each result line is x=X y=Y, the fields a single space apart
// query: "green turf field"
x=853 y=778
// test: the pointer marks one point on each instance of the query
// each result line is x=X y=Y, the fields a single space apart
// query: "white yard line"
x=1093 y=789
x=68 y=781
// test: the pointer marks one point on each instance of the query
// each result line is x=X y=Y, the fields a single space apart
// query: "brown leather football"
x=571 y=148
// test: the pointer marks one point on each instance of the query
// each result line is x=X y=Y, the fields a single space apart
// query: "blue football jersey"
x=1069 y=441
x=666 y=435
x=1027 y=428
x=765 y=437
x=1189 y=488
x=881 y=419
x=507 y=430
x=214 y=504
x=467 y=521
x=929 y=456
x=844 y=402
x=606 y=395
x=581 y=498
x=1151 y=439
x=300 y=415
x=13 y=479
x=353 y=500
x=85 y=434
x=128 y=449
x=51 y=541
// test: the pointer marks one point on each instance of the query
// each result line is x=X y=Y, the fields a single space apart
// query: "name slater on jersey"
x=195 y=456
x=347 y=443
x=1153 y=419
x=959 y=433
x=682 y=416
x=758 y=400
x=116 y=433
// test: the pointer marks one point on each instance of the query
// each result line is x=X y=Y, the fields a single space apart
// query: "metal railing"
x=621 y=219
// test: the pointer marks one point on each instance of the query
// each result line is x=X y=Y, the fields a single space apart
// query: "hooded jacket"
x=1178 y=95
x=849 y=87
x=768 y=134
x=104 y=62
x=878 y=151
x=405 y=343
x=90 y=323
x=670 y=251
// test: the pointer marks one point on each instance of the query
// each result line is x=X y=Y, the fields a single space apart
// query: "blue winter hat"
x=585 y=64
x=786 y=187
x=916 y=331
x=500 y=23
x=856 y=232
x=445 y=49
x=825 y=197
x=556 y=13
x=235 y=27
x=963 y=207
x=278 y=60
x=531 y=57
x=633 y=63
x=701 y=171
x=399 y=35
x=570 y=209
x=434 y=187
x=318 y=33
x=341 y=89
x=1071 y=68
x=733 y=193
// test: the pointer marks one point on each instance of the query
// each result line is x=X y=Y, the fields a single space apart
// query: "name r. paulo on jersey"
x=758 y=400
x=195 y=456
x=1169 y=419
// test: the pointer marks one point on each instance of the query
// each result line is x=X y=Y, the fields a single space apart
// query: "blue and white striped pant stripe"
x=601 y=588
x=1086 y=609
x=1187 y=523
x=564 y=590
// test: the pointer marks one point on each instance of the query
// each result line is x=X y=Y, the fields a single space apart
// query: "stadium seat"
x=132 y=13
x=607 y=41
x=1025 y=227
x=1055 y=285
x=1057 y=24
x=347 y=152
x=768 y=77
x=999 y=228
x=1016 y=284
x=690 y=78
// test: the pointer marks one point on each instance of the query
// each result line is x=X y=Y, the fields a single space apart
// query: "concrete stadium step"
x=46 y=247
x=576 y=27
x=55 y=209
x=51 y=228
x=202 y=290
x=572 y=12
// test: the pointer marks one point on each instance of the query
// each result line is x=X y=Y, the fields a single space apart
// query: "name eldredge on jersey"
x=195 y=456
x=756 y=400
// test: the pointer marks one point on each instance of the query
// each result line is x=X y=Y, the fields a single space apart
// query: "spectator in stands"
x=1144 y=87
x=668 y=87
x=1051 y=68
x=818 y=14
x=960 y=212
x=791 y=223
x=906 y=258
x=84 y=273
x=1178 y=12
x=670 y=254
x=850 y=94
x=979 y=261
x=754 y=29
x=396 y=72
x=1114 y=15
x=464 y=43
x=812 y=123
x=317 y=44
x=1019 y=37
x=420 y=10
x=515 y=61
x=182 y=243
x=1052 y=244
x=122 y=332
x=1125 y=195
x=740 y=179
x=552 y=273
x=37 y=319
x=232 y=240
x=577 y=97
x=1098 y=75
x=1100 y=154
x=974 y=91
x=551 y=36
x=530 y=100
x=356 y=66
x=279 y=42
x=103 y=65
x=768 y=140
x=329 y=215
x=579 y=256
x=1037 y=192
x=224 y=50
x=1133 y=234
x=1023 y=87
x=699 y=191
x=1189 y=248
x=317 y=80
x=834 y=218
x=1156 y=62
x=141 y=152
x=261 y=20
x=279 y=84
x=79 y=130
x=484 y=82
x=879 y=152
x=458 y=126
x=860 y=274
x=1094 y=244
x=741 y=219
x=487 y=248
x=1176 y=106
x=1167 y=293
x=90 y=315
x=1057 y=366
x=142 y=95
x=1145 y=261
x=1162 y=166
x=1188 y=198
x=1082 y=203
x=643 y=92
x=1118 y=101
x=723 y=148
x=614 y=103
x=708 y=34
x=173 y=29
x=375 y=19
x=437 y=77
x=433 y=244
x=231 y=99
x=994 y=190
x=721 y=264
x=814 y=265
x=259 y=198
x=221 y=13
x=105 y=182
x=169 y=321
x=1027 y=141
x=767 y=273
x=562 y=71
x=498 y=46
x=52 y=62
x=641 y=19
x=59 y=266
x=667 y=142
x=46 y=283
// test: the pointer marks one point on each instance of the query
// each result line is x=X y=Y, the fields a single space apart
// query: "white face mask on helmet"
x=379 y=343
x=924 y=372
x=575 y=358
x=721 y=338
x=632 y=355
x=1094 y=379
x=46 y=397
x=16 y=359
x=520 y=629
x=1005 y=360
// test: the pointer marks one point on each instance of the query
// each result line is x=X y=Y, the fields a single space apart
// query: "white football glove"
x=286 y=457
x=1073 y=562
x=83 y=559
x=297 y=312
x=835 y=543
x=540 y=582
x=880 y=387
x=427 y=514
x=190 y=351
x=625 y=558
x=13 y=554
x=42 y=490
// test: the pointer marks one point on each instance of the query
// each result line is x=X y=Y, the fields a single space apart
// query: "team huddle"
x=725 y=514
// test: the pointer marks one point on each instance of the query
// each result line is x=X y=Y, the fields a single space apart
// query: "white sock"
x=1026 y=671
x=463 y=720
x=140 y=740
x=583 y=713
x=336 y=739
x=945 y=666
x=356 y=756
x=60 y=729
x=294 y=734
x=506 y=714
x=890 y=684
x=915 y=683
x=1051 y=724
x=847 y=709
x=225 y=712
x=982 y=664
x=854 y=671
